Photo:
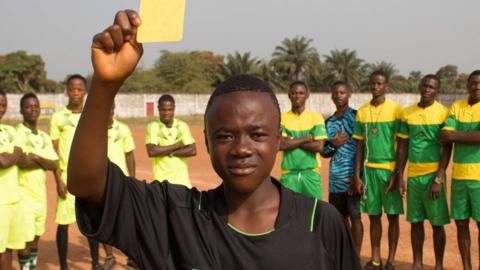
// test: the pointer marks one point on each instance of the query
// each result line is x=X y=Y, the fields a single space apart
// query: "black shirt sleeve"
x=133 y=219
x=333 y=231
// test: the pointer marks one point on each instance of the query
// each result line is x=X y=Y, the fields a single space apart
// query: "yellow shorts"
x=35 y=215
x=65 y=207
x=11 y=230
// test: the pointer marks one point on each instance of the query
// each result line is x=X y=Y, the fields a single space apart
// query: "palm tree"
x=294 y=56
x=238 y=63
x=388 y=68
x=345 y=65
x=268 y=74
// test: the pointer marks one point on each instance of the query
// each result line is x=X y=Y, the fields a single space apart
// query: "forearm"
x=130 y=158
x=47 y=164
x=359 y=158
x=444 y=159
x=289 y=144
x=89 y=180
x=7 y=159
x=402 y=155
x=186 y=151
x=470 y=137
x=157 y=150
x=313 y=147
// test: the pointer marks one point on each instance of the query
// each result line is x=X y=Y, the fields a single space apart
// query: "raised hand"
x=115 y=51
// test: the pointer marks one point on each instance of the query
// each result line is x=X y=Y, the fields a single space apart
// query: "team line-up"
x=368 y=148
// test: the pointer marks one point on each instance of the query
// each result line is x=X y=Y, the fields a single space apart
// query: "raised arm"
x=115 y=54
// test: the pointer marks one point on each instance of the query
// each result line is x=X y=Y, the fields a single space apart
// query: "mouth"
x=241 y=170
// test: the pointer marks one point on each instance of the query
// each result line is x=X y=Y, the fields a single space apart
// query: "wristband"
x=438 y=180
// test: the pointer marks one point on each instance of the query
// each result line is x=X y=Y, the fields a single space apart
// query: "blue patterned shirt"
x=342 y=164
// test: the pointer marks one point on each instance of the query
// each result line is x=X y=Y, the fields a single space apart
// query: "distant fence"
x=142 y=105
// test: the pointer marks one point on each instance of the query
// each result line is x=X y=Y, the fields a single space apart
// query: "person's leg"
x=478 y=227
x=62 y=245
x=6 y=260
x=24 y=258
x=439 y=242
x=393 y=236
x=33 y=246
x=93 y=244
x=353 y=210
x=109 y=259
x=375 y=238
x=463 y=240
x=417 y=235
x=373 y=207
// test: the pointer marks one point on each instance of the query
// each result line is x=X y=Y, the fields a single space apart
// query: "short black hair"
x=295 y=83
x=3 y=93
x=76 y=76
x=432 y=77
x=243 y=83
x=339 y=83
x=379 y=72
x=166 y=98
x=474 y=73
x=27 y=96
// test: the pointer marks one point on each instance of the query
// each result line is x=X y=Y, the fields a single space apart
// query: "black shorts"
x=347 y=205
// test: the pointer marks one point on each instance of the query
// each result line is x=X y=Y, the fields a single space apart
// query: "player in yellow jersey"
x=169 y=142
x=11 y=235
x=62 y=128
x=38 y=157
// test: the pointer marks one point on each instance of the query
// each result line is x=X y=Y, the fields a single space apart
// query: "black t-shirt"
x=165 y=226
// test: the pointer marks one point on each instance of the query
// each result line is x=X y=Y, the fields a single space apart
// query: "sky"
x=413 y=35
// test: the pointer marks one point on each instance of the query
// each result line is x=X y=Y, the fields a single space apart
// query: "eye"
x=223 y=137
x=259 y=136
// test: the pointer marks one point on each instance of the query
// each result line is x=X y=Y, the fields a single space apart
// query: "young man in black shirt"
x=248 y=222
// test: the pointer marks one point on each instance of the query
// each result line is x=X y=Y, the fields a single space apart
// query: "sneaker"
x=390 y=266
x=370 y=266
x=109 y=262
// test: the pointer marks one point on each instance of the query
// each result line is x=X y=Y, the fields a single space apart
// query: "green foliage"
x=238 y=63
x=21 y=73
x=346 y=66
x=144 y=81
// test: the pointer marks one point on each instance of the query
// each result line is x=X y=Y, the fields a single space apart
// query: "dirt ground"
x=204 y=177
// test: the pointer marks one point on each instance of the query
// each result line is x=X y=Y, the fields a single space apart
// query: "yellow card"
x=162 y=20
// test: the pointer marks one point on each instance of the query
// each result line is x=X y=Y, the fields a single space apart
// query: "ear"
x=206 y=140
x=279 y=138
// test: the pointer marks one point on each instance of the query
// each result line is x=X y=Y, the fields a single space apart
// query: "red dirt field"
x=204 y=177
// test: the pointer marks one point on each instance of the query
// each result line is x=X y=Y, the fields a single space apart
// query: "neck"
x=75 y=108
x=341 y=110
x=298 y=110
x=378 y=100
x=260 y=198
x=168 y=124
x=424 y=104
x=31 y=125
x=472 y=101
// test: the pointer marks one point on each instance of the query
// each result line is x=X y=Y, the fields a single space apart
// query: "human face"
x=3 y=105
x=298 y=95
x=166 y=110
x=428 y=90
x=243 y=138
x=378 y=86
x=30 y=110
x=76 y=92
x=340 y=96
x=473 y=87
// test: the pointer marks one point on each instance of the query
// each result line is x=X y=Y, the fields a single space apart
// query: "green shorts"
x=419 y=205
x=375 y=199
x=11 y=230
x=65 y=214
x=465 y=199
x=307 y=182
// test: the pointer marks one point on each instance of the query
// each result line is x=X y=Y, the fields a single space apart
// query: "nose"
x=241 y=147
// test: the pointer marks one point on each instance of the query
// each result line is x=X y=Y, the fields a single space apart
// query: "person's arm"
x=186 y=151
x=9 y=159
x=462 y=137
x=396 y=180
x=130 y=158
x=315 y=146
x=158 y=151
x=46 y=164
x=61 y=188
x=288 y=143
x=115 y=54
x=24 y=162
x=359 y=160
x=436 y=187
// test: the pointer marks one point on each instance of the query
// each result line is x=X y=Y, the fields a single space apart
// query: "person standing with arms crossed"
x=376 y=127
x=169 y=143
x=427 y=163
x=38 y=157
x=341 y=147
x=303 y=137
x=62 y=127
x=463 y=129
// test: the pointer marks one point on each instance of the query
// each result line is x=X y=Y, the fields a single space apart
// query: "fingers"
x=128 y=20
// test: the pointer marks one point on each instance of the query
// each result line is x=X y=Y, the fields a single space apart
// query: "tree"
x=345 y=65
x=238 y=63
x=388 y=68
x=293 y=57
x=268 y=73
x=21 y=72
x=448 y=75
x=144 y=81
